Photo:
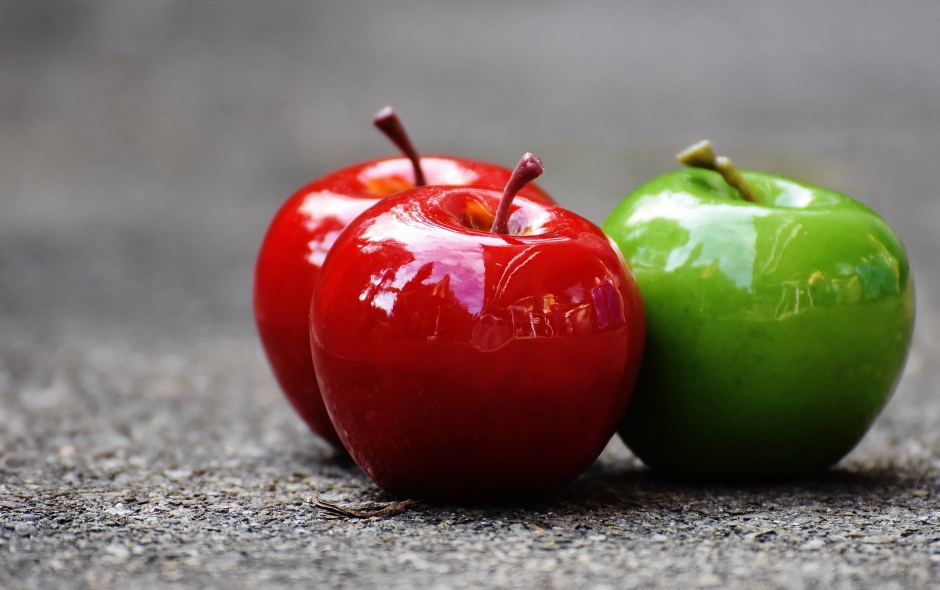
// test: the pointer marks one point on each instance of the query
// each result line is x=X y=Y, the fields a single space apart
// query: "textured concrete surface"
x=145 y=145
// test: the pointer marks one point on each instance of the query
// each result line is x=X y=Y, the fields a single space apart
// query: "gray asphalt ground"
x=144 y=146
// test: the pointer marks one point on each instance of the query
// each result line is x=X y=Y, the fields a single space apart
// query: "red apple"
x=303 y=231
x=459 y=364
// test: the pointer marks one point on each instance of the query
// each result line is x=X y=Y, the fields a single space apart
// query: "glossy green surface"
x=776 y=331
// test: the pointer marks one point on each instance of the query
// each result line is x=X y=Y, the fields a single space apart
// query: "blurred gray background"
x=144 y=147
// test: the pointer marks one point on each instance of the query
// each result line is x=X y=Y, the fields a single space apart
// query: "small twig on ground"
x=374 y=510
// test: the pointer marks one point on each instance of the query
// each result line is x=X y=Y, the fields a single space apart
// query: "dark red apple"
x=459 y=364
x=303 y=231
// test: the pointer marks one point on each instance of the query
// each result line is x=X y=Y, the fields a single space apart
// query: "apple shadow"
x=627 y=488
x=623 y=487
x=633 y=492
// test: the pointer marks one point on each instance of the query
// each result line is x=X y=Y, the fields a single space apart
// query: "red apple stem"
x=388 y=123
x=528 y=169
x=701 y=155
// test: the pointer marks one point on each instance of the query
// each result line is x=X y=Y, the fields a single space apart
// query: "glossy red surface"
x=301 y=234
x=462 y=365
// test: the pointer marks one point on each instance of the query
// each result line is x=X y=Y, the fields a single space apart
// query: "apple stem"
x=388 y=123
x=528 y=169
x=701 y=155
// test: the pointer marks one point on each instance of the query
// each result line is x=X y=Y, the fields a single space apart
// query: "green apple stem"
x=528 y=169
x=388 y=123
x=701 y=155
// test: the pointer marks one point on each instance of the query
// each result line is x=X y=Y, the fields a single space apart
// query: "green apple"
x=778 y=322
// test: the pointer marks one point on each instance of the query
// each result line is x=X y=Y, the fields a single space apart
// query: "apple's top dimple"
x=772 y=191
x=387 y=177
x=465 y=214
x=476 y=209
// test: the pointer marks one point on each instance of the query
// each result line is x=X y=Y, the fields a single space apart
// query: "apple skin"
x=296 y=243
x=777 y=330
x=462 y=365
